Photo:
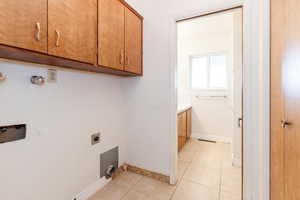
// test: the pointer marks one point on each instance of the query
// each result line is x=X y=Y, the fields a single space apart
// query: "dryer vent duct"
x=109 y=171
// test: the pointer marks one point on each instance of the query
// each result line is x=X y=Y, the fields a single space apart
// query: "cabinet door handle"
x=285 y=124
x=127 y=60
x=38 y=31
x=121 y=58
x=57 y=38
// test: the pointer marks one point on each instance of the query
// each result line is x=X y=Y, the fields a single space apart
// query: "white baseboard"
x=92 y=189
x=211 y=137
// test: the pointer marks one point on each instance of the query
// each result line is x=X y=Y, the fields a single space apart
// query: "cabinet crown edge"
x=132 y=9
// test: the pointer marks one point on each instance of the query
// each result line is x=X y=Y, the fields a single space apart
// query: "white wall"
x=202 y=36
x=56 y=160
x=148 y=104
x=149 y=99
x=256 y=99
x=152 y=121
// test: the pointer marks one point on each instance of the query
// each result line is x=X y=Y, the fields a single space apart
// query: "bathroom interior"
x=209 y=71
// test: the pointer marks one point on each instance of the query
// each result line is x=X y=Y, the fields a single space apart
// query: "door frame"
x=256 y=88
x=220 y=12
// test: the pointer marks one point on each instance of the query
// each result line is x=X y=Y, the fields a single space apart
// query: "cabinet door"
x=189 y=123
x=182 y=128
x=23 y=24
x=179 y=132
x=72 y=30
x=111 y=23
x=133 y=42
x=179 y=124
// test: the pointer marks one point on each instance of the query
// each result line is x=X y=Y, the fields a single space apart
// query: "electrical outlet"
x=95 y=138
x=52 y=76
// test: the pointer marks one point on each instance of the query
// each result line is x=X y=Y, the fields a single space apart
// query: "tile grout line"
x=180 y=180
x=131 y=188
x=221 y=175
x=201 y=184
x=220 y=179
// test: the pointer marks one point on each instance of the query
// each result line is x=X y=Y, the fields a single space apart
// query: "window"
x=209 y=72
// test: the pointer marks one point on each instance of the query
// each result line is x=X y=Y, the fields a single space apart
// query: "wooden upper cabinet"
x=111 y=24
x=72 y=30
x=133 y=42
x=23 y=24
x=93 y=35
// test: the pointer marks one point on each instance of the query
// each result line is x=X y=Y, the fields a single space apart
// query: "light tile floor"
x=205 y=173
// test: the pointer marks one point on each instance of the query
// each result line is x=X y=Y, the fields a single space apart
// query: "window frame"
x=208 y=55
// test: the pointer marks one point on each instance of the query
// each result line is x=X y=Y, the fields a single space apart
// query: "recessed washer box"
x=12 y=133
x=107 y=159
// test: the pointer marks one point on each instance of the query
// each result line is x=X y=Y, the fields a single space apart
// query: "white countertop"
x=182 y=108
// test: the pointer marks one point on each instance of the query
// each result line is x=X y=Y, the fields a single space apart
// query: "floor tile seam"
x=201 y=184
x=131 y=188
x=180 y=180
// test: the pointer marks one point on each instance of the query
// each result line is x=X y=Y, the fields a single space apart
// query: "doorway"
x=210 y=113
